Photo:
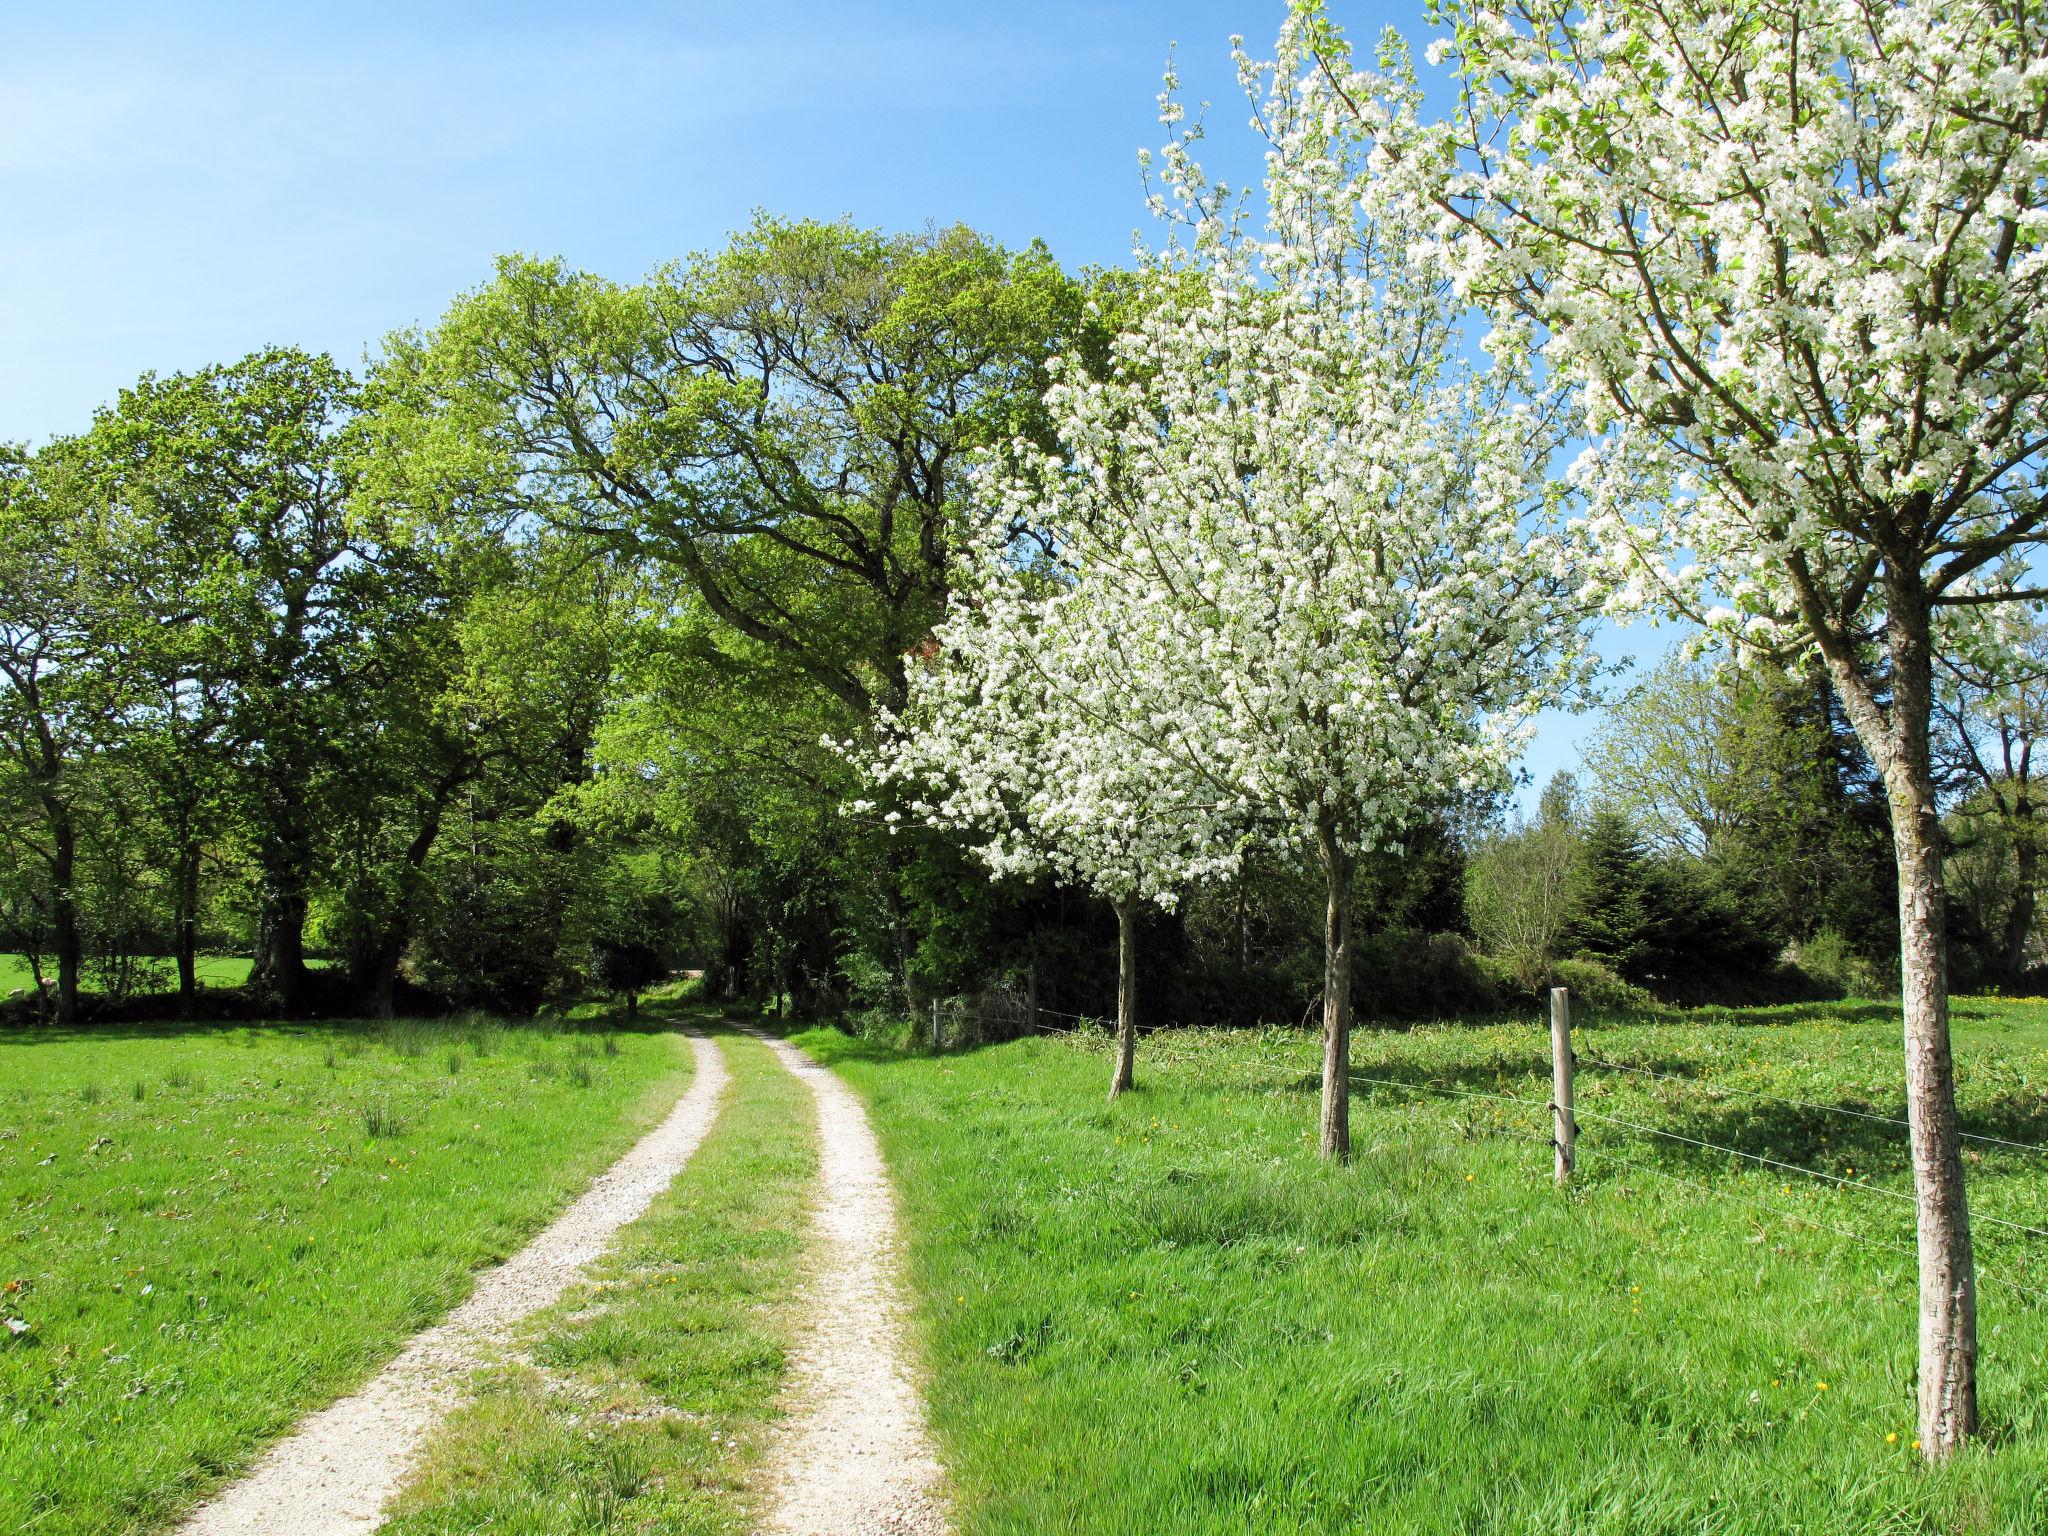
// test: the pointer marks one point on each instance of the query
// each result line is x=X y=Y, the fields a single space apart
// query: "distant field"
x=207 y=1231
x=1164 y=1315
x=214 y=971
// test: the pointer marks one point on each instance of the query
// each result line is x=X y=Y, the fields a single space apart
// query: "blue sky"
x=183 y=184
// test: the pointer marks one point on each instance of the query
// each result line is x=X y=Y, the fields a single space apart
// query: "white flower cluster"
x=1793 y=259
x=1297 y=571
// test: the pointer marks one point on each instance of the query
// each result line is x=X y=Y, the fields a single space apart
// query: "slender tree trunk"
x=1336 y=1130
x=1948 y=1285
x=1897 y=737
x=1121 y=1078
x=65 y=937
x=1948 y=1279
x=2019 y=921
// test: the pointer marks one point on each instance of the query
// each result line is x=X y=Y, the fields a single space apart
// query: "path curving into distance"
x=852 y=1457
x=332 y=1474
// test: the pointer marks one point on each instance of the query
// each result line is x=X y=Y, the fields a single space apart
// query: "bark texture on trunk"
x=1897 y=734
x=1336 y=1127
x=1948 y=1276
x=1948 y=1288
x=1122 y=1076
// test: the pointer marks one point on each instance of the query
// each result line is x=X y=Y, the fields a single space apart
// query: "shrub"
x=1402 y=974
x=1828 y=957
x=1599 y=986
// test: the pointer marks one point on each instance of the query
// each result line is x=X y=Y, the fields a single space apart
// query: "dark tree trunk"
x=1336 y=1127
x=188 y=929
x=1244 y=936
x=2019 y=920
x=376 y=968
x=377 y=976
x=1121 y=1076
x=284 y=945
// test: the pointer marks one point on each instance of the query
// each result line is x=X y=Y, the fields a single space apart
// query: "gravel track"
x=852 y=1456
x=332 y=1475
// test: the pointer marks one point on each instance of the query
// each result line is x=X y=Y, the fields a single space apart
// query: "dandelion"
x=1892 y=1437
x=1820 y=1386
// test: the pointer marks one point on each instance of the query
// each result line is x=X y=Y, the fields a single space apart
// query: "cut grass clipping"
x=1165 y=1315
x=207 y=1233
x=639 y=1402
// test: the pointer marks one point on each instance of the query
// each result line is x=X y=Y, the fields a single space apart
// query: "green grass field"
x=208 y=1231
x=213 y=971
x=644 y=1394
x=1163 y=1315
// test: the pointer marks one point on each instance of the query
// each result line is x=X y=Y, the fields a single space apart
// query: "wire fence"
x=1006 y=1012
x=1608 y=1152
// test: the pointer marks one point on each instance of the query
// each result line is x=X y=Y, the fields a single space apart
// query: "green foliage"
x=1835 y=962
x=1594 y=984
x=1661 y=923
x=1519 y=890
x=1759 y=775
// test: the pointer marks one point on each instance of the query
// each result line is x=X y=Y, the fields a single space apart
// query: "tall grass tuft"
x=379 y=1121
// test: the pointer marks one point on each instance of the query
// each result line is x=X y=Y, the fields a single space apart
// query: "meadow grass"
x=208 y=1231
x=639 y=1402
x=1165 y=1315
x=212 y=971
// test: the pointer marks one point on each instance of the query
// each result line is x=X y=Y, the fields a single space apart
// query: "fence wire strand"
x=1772 y=1098
x=1772 y=1162
x=1604 y=1155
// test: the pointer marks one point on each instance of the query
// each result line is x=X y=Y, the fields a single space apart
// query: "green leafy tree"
x=244 y=468
x=57 y=690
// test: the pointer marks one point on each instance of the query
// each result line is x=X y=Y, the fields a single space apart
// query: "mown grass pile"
x=641 y=1399
x=1164 y=1315
x=204 y=1232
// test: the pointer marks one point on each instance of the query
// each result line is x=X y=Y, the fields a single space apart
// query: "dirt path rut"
x=853 y=1457
x=332 y=1475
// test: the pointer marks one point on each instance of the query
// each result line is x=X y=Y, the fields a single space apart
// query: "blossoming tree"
x=1314 y=564
x=1007 y=739
x=1793 y=257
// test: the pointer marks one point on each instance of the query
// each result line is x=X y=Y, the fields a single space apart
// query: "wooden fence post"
x=935 y=1024
x=1031 y=998
x=1566 y=1134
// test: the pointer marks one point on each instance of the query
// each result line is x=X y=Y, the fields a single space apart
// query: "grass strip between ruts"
x=641 y=1401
